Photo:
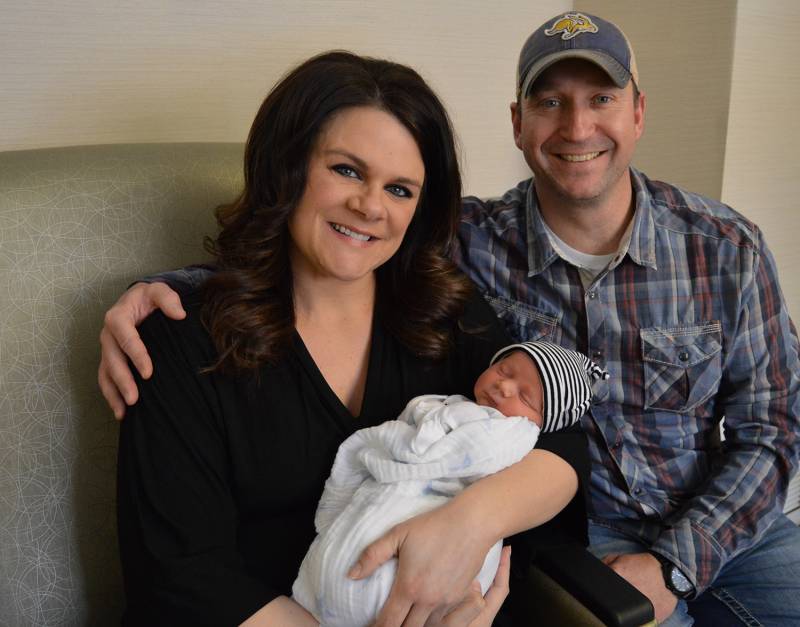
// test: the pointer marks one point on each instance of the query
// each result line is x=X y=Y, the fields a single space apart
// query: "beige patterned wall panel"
x=90 y=71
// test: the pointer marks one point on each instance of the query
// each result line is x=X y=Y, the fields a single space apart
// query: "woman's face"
x=363 y=184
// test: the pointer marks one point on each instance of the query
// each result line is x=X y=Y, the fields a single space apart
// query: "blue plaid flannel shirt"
x=691 y=323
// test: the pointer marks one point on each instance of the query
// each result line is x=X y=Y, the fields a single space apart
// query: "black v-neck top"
x=219 y=476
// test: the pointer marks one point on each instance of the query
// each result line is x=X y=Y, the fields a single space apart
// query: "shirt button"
x=637 y=491
x=592 y=295
x=684 y=356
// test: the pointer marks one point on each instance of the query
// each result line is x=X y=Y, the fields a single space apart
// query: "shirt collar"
x=540 y=250
x=641 y=248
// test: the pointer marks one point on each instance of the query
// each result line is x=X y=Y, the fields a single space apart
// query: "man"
x=676 y=295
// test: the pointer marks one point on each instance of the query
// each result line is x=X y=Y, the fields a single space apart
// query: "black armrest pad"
x=607 y=595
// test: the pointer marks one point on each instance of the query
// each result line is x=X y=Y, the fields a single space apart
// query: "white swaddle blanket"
x=386 y=474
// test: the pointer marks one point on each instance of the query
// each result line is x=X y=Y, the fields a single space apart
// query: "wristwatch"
x=677 y=583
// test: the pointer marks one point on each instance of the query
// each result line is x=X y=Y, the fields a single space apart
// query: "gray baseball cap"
x=576 y=35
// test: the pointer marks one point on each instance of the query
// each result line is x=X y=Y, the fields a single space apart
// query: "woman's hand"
x=439 y=554
x=119 y=339
x=477 y=610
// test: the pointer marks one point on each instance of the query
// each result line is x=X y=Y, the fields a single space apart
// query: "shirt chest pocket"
x=523 y=322
x=682 y=365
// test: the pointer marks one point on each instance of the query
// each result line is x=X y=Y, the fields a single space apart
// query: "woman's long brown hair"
x=248 y=304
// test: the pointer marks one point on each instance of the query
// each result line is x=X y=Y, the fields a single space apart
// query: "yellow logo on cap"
x=571 y=25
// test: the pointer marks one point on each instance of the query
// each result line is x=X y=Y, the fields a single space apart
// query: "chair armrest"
x=570 y=586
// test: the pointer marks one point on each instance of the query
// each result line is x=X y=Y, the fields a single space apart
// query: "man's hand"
x=439 y=554
x=119 y=339
x=643 y=571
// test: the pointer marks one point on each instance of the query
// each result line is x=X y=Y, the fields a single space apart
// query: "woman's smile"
x=352 y=233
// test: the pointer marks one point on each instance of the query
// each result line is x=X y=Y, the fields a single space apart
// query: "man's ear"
x=516 y=122
x=638 y=114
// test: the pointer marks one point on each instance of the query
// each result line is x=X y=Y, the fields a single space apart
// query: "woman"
x=334 y=304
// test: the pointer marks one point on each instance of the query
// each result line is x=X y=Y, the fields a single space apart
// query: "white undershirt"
x=589 y=266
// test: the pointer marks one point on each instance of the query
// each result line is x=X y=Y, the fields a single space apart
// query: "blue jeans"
x=760 y=586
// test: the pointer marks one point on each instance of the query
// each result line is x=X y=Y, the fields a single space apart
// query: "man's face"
x=578 y=132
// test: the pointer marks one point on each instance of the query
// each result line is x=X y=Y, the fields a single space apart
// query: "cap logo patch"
x=571 y=25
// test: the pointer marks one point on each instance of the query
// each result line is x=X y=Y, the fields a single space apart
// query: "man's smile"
x=587 y=156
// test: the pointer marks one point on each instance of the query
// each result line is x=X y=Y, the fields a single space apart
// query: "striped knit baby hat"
x=567 y=378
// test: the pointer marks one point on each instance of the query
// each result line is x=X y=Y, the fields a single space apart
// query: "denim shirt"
x=691 y=324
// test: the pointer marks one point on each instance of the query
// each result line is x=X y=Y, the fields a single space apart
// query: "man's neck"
x=594 y=227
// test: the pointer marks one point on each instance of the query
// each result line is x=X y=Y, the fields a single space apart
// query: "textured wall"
x=89 y=71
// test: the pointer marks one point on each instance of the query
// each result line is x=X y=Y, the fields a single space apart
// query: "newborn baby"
x=437 y=446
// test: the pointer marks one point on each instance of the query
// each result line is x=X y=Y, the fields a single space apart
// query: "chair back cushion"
x=77 y=225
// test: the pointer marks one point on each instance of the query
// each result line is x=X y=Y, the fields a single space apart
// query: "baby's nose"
x=506 y=388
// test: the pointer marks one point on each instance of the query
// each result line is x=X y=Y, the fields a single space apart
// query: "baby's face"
x=513 y=387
